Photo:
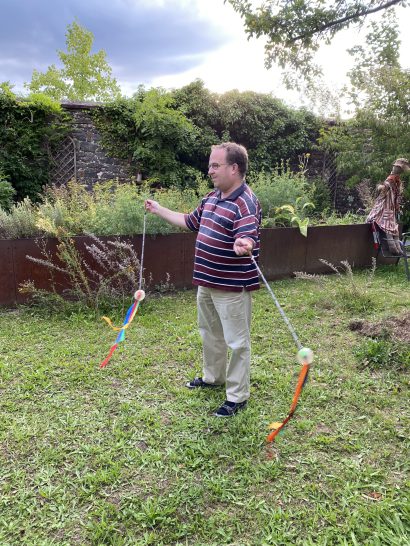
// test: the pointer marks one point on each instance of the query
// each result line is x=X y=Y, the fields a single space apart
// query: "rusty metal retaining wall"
x=283 y=251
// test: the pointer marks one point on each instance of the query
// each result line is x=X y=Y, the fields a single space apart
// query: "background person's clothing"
x=218 y=223
x=224 y=320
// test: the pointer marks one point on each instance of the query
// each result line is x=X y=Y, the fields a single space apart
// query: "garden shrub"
x=320 y=195
x=20 y=221
x=112 y=208
x=117 y=208
x=333 y=218
x=154 y=136
x=278 y=188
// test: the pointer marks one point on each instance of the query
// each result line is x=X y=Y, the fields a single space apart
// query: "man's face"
x=222 y=174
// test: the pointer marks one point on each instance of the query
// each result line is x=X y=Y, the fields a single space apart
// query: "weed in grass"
x=345 y=291
x=377 y=354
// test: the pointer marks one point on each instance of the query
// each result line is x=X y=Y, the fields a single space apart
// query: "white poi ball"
x=305 y=355
x=139 y=295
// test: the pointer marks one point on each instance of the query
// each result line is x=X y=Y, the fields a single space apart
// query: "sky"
x=159 y=43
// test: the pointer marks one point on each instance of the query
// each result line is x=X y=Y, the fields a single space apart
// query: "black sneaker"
x=198 y=383
x=230 y=408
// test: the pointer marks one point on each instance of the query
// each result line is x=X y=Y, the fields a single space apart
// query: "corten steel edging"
x=7 y=278
x=169 y=258
x=351 y=243
x=283 y=251
x=26 y=270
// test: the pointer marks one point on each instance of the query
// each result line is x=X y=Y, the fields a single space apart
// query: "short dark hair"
x=235 y=153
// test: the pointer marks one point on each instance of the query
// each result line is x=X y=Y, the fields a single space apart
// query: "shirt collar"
x=234 y=195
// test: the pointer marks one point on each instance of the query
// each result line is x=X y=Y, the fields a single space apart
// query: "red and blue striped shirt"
x=218 y=223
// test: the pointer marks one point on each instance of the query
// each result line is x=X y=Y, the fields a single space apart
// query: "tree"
x=270 y=130
x=296 y=28
x=367 y=144
x=84 y=76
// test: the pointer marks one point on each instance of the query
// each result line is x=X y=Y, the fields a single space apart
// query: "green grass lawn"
x=128 y=455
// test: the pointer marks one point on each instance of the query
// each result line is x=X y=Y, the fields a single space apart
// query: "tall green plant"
x=112 y=208
x=296 y=215
x=20 y=221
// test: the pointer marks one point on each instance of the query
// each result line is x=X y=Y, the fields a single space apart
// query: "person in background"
x=387 y=206
x=227 y=222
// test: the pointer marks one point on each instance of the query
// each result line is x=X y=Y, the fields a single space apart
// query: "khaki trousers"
x=224 y=320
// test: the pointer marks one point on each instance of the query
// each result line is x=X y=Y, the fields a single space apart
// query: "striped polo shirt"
x=218 y=223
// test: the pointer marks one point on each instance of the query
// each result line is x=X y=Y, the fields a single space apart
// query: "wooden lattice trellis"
x=64 y=163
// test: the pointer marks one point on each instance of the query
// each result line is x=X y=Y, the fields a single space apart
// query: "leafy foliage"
x=151 y=134
x=29 y=130
x=296 y=28
x=367 y=144
x=296 y=215
x=84 y=76
x=269 y=130
x=279 y=189
x=168 y=136
x=112 y=208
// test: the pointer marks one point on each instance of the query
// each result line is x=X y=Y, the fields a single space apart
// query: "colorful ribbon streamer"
x=132 y=311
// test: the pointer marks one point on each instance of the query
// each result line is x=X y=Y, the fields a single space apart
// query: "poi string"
x=132 y=311
x=304 y=357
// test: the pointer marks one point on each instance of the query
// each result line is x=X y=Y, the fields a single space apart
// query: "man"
x=227 y=222
x=387 y=206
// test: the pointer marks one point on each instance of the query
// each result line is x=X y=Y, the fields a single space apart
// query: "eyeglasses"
x=215 y=166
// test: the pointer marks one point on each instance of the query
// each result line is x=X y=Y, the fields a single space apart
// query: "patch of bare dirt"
x=397 y=328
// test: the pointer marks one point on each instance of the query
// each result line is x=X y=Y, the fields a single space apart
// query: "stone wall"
x=92 y=163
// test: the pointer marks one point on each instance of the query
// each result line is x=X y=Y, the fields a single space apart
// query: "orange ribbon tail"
x=300 y=384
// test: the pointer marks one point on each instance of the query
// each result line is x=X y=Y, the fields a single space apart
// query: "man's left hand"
x=243 y=246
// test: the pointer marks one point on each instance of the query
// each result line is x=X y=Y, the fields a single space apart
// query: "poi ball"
x=305 y=355
x=139 y=295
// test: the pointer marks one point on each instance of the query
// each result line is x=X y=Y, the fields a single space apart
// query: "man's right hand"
x=151 y=206
x=175 y=218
